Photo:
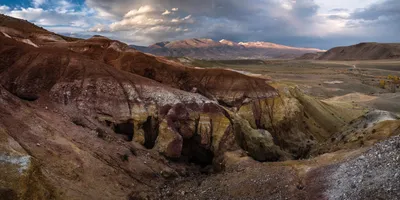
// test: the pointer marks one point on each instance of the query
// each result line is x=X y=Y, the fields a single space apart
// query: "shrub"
x=393 y=78
x=100 y=133
x=382 y=84
x=125 y=157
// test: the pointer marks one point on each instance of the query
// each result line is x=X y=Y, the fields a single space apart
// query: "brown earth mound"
x=23 y=30
x=310 y=56
x=227 y=87
x=363 y=51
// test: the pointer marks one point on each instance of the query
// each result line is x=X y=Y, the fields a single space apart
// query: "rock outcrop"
x=155 y=111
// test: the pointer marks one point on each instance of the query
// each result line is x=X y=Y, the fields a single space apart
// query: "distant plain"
x=325 y=79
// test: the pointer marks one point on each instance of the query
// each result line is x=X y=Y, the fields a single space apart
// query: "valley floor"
x=327 y=79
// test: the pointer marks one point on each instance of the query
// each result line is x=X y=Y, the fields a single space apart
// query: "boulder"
x=169 y=142
x=259 y=144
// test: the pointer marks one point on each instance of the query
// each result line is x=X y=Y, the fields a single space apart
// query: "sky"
x=304 y=23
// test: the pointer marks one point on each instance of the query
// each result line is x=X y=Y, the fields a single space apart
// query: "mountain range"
x=209 y=49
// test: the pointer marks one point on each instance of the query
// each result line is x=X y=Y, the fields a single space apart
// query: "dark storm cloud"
x=389 y=9
x=380 y=20
x=211 y=8
x=230 y=19
x=309 y=23
x=305 y=8
x=231 y=9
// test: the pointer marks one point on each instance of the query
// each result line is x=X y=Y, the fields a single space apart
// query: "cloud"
x=149 y=21
x=385 y=9
x=167 y=12
x=37 y=3
x=4 y=9
x=337 y=17
x=211 y=8
x=99 y=28
x=182 y=20
x=141 y=11
x=63 y=6
x=260 y=19
x=62 y=14
x=339 y=10
x=284 y=21
x=380 y=20
x=147 y=24
x=28 y=13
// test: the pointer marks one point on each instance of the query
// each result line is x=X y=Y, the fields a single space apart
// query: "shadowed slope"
x=363 y=51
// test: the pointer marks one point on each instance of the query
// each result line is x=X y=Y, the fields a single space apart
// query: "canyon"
x=97 y=119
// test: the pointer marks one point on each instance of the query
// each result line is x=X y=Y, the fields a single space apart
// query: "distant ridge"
x=310 y=56
x=208 y=49
x=22 y=28
x=361 y=51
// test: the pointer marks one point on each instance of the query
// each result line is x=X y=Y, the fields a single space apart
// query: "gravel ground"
x=373 y=175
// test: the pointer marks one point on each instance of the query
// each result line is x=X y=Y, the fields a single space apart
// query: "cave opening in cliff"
x=29 y=97
x=125 y=128
x=194 y=152
x=150 y=127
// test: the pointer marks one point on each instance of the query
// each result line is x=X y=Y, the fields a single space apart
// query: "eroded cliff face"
x=166 y=115
x=154 y=113
x=21 y=176
x=149 y=112
x=96 y=119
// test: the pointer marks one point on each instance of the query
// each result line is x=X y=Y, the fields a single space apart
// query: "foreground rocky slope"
x=209 y=49
x=96 y=119
x=351 y=175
